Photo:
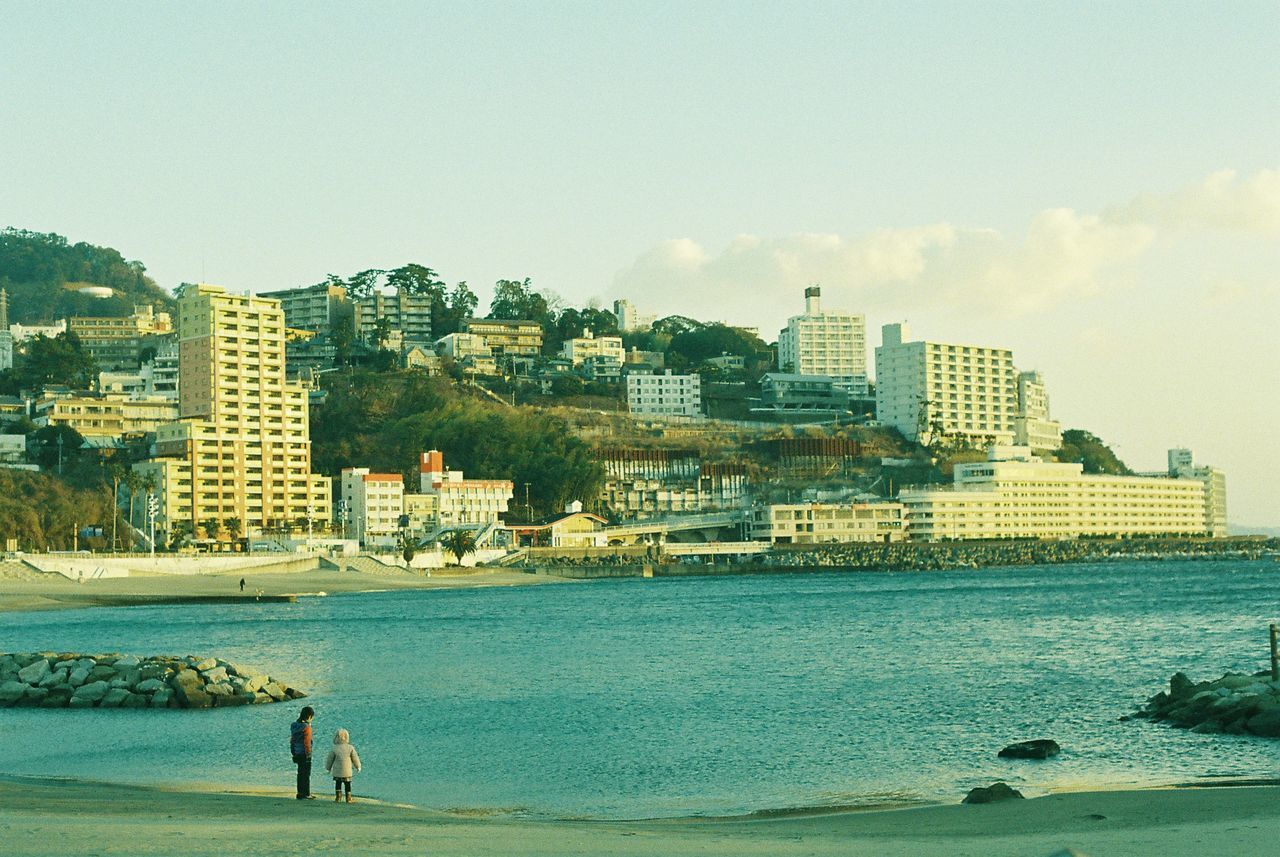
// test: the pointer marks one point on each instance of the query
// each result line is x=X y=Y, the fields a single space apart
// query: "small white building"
x=581 y=348
x=23 y=332
x=374 y=502
x=664 y=395
x=460 y=346
x=461 y=500
x=629 y=319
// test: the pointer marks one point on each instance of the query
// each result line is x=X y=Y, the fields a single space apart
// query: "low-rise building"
x=573 y=529
x=1016 y=496
x=118 y=342
x=23 y=332
x=784 y=391
x=13 y=452
x=99 y=415
x=823 y=523
x=462 y=345
x=507 y=337
x=665 y=394
x=463 y=501
x=582 y=348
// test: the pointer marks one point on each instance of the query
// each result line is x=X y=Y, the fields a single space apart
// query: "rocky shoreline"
x=1236 y=704
x=72 y=680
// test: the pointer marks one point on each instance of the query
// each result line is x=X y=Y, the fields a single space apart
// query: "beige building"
x=820 y=523
x=101 y=415
x=928 y=388
x=117 y=343
x=1032 y=427
x=579 y=349
x=242 y=446
x=504 y=337
x=1016 y=496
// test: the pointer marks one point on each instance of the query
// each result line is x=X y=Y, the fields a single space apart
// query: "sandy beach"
x=42 y=817
x=34 y=591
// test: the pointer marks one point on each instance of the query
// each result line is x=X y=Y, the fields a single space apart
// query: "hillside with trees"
x=43 y=272
x=384 y=420
x=44 y=512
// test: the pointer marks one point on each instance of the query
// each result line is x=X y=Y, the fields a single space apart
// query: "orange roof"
x=383 y=477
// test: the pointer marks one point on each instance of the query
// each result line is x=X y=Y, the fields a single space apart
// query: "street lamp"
x=528 y=509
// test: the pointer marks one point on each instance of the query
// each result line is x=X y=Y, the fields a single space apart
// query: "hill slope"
x=42 y=273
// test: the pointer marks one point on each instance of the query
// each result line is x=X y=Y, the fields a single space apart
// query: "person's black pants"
x=304 y=774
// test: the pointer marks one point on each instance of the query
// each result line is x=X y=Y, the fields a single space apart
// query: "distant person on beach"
x=342 y=763
x=300 y=748
x=242 y=584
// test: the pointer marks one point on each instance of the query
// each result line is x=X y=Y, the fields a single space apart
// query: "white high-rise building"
x=375 y=502
x=629 y=319
x=927 y=388
x=825 y=343
x=1033 y=427
x=1015 y=496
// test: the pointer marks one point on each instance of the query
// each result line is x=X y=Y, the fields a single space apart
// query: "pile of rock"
x=69 y=680
x=1236 y=704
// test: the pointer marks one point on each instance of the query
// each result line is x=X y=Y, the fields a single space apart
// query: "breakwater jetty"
x=906 y=556
x=1236 y=704
x=73 y=680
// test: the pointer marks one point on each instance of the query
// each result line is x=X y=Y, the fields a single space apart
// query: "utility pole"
x=60 y=442
x=528 y=509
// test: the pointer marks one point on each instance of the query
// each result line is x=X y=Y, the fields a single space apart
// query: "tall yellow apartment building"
x=241 y=447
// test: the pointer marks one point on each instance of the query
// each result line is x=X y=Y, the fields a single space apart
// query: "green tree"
x=1088 y=449
x=211 y=528
x=712 y=340
x=57 y=447
x=459 y=543
x=234 y=527
x=59 y=360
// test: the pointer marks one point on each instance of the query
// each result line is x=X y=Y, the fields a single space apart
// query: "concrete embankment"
x=75 y=680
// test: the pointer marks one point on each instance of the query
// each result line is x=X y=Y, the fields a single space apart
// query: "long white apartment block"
x=823 y=523
x=665 y=394
x=923 y=388
x=825 y=343
x=1016 y=496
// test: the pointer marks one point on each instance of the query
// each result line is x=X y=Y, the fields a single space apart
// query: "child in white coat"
x=342 y=763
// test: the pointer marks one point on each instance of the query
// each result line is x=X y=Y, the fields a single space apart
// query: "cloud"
x=1222 y=201
x=1062 y=255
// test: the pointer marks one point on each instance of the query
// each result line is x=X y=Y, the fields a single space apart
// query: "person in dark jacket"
x=300 y=749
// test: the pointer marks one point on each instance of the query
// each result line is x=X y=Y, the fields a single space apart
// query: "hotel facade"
x=833 y=344
x=242 y=445
x=1016 y=496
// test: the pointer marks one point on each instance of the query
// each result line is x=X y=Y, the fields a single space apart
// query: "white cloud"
x=1062 y=255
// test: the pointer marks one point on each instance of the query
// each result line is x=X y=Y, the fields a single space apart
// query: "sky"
x=1094 y=185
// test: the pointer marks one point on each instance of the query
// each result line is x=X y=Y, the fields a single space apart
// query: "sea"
x=711 y=696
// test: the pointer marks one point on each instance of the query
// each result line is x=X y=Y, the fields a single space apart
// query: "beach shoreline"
x=55 y=592
x=42 y=816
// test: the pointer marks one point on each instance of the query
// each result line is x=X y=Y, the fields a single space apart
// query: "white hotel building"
x=923 y=387
x=825 y=343
x=374 y=502
x=1015 y=496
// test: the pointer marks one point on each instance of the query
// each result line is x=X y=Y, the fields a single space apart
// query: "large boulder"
x=79 y=675
x=206 y=664
x=1265 y=723
x=1180 y=685
x=189 y=689
x=275 y=691
x=150 y=685
x=91 y=692
x=126 y=661
x=11 y=691
x=217 y=674
x=255 y=683
x=161 y=698
x=114 y=698
x=1038 y=748
x=33 y=672
x=992 y=793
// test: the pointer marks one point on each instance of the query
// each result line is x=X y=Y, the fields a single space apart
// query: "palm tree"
x=211 y=528
x=132 y=482
x=459 y=543
x=233 y=528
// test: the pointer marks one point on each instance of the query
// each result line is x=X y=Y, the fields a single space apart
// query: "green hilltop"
x=43 y=273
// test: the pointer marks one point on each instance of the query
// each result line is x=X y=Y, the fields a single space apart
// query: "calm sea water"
x=683 y=696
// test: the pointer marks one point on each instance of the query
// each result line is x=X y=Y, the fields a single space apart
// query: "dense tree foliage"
x=42 y=273
x=1081 y=446
x=385 y=421
x=45 y=361
x=43 y=512
x=712 y=340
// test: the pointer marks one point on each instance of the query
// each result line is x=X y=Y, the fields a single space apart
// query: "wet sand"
x=42 y=817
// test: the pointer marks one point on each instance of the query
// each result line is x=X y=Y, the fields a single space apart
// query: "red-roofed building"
x=463 y=501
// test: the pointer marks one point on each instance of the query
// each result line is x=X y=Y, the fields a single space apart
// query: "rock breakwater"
x=71 y=680
x=1235 y=704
